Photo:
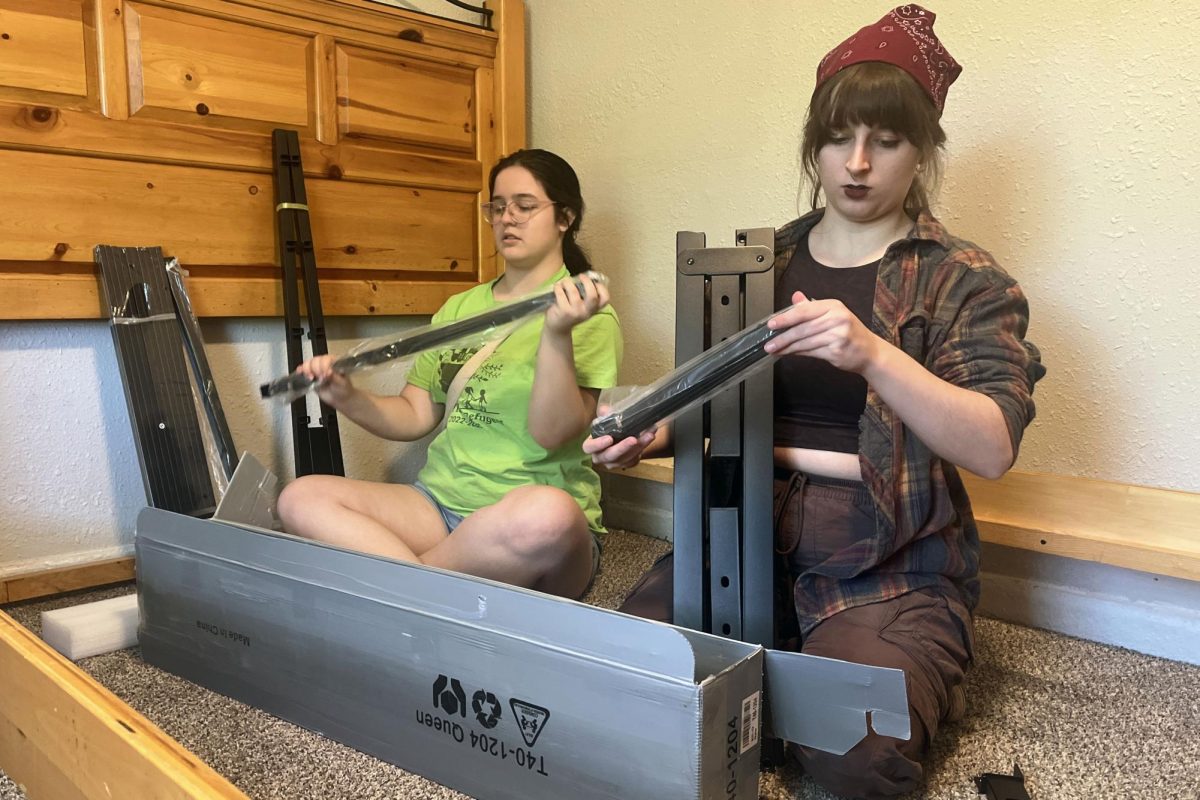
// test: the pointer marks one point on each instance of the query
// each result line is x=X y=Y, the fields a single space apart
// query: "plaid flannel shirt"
x=947 y=304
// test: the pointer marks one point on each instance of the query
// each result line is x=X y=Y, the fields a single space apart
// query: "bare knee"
x=544 y=521
x=298 y=498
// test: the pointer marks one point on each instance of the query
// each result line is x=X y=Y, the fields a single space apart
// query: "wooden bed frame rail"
x=64 y=736
x=1135 y=527
x=49 y=582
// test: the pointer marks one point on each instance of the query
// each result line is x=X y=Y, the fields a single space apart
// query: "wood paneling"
x=41 y=47
x=489 y=153
x=404 y=100
x=400 y=116
x=375 y=23
x=28 y=127
x=510 y=71
x=393 y=228
x=75 y=294
x=355 y=226
x=199 y=66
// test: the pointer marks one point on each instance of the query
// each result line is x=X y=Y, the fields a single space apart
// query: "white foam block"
x=92 y=628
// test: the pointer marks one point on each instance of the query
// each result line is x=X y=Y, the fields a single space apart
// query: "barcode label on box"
x=750 y=721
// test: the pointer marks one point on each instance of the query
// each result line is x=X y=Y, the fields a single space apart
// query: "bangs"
x=877 y=95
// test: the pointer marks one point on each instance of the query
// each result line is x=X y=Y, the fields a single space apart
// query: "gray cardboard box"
x=492 y=690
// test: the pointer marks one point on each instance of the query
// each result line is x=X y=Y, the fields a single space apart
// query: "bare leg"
x=384 y=519
x=536 y=537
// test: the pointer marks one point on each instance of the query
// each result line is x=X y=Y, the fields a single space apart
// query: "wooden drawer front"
x=221 y=217
x=184 y=62
x=404 y=100
x=41 y=46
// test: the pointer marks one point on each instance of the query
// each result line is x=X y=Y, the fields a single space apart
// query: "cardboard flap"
x=566 y=625
x=715 y=654
x=250 y=497
x=824 y=703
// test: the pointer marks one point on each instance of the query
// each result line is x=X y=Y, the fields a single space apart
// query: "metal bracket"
x=723 y=570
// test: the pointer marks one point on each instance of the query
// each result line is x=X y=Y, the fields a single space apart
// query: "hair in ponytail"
x=561 y=184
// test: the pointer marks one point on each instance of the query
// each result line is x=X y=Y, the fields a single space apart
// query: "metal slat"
x=317 y=447
x=158 y=391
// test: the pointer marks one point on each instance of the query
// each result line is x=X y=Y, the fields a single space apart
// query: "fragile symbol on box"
x=530 y=718
x=449 y=696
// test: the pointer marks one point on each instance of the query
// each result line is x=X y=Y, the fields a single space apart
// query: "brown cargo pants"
x=916 y=633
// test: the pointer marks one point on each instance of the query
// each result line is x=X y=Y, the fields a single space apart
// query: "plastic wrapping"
x=181 y=469
x=219 y=449
x=690 y=384
x=473 y=331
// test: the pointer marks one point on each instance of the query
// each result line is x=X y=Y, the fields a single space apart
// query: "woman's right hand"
x=618 y=455
x=333 y=387
x=573 y=305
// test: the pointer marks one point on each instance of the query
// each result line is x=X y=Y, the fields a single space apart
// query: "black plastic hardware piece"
x=1003 y=787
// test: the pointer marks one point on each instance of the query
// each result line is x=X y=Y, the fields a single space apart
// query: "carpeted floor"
x=1084 y=721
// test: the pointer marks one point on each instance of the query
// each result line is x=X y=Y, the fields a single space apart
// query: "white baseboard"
x=637 y=505
x=1151 y=614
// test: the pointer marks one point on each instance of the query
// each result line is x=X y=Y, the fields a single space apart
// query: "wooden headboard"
x=148 y=122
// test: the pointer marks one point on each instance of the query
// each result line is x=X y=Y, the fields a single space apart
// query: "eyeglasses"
x=519 y=210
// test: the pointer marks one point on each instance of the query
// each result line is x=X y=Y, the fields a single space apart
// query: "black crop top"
x=817 y=405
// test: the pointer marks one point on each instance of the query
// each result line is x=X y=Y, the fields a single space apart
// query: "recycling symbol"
x=486 y=708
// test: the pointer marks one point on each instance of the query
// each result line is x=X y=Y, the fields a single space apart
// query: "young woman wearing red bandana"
x=903 y=359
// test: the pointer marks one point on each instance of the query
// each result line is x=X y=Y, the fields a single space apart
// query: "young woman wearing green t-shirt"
x=507 y=492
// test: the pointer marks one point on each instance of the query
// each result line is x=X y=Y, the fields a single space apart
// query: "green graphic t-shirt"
x=486 y=449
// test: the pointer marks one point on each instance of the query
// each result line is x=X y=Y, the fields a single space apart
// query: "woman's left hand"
x=570 y=307
x=823 y=329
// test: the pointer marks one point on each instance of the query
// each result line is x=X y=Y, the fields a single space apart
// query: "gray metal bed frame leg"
x=724 y=542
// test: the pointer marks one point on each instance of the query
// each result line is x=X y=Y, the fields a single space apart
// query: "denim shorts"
x=453 y=519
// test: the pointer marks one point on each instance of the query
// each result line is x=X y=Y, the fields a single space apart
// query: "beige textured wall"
x=1072 y=157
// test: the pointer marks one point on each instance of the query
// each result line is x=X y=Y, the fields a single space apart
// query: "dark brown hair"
x=561 y=185
x=877 y=94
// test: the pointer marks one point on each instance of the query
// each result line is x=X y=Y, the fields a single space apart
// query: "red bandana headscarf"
x=904 y=38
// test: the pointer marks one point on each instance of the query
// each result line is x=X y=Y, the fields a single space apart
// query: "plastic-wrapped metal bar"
x=477 y=328
x=689 y=384
x=194 y=347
